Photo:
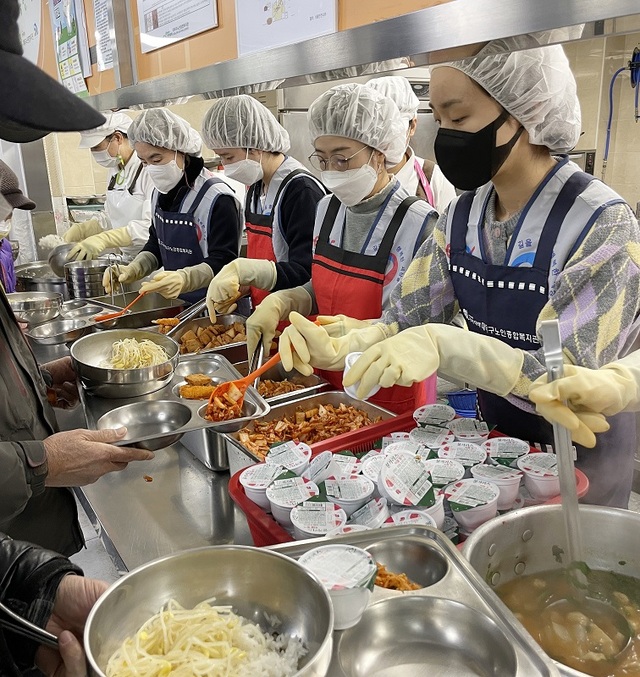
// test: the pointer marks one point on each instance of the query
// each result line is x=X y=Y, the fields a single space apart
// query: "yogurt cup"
x=350 y=494
x=294 y=456
x=444 y=471
x=372 y=514
x=451 y=529
x=434 y=414
x=506 y=479
x=407 y=517
x=352 y=391
x=286 y=494
x=432 y=437
x=436 y=511
x=347 y=529
x=346 y=465
x=466 y=453
x=404 y=480
x=321 y=467
x=311 y=520
x=256 y=478
x=505 y=450
x=472 y=502
x=348 y=573
x=540 y=475
x=409 y=447
x=394 y=437
x=371 y=470
x=469 y=430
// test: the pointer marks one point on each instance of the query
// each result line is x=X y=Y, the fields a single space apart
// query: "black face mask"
x=471 y=159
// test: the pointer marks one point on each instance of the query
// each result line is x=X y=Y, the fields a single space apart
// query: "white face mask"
x=245 y=171
x=165 y=177
x=5 y=228
x=103 y=158
x=351 y=186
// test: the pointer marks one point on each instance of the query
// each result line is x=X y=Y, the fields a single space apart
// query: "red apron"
x=260 y=229
x=351 y=283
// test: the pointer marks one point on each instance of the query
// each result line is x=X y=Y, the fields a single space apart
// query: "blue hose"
x=608 y=137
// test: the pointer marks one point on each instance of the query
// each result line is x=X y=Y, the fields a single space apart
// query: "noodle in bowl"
x=286 y=615
x=93 y=360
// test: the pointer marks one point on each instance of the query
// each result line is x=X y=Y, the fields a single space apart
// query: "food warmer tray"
x=427 y=556
x=215 y=366
x=150 y=307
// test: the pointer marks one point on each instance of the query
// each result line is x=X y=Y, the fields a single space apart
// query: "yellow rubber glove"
x=339 y=325
x=275 y=308
x=417 y=353
x=93 y=246
x=144 y=264
x=81 y=231
x=172 y=283
x=304 y=345
x=225 y=286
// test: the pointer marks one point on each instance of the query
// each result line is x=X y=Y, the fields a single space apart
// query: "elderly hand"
x=75 y=598
x=80 y=457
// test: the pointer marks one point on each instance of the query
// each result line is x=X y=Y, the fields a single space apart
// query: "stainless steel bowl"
x=58 y=257
x=84 y=278
x=91 y=353
x=82 y=310
x=155 y=421
x=260 y=585
x=35 y=307
x=401 y=636
x=38 y=276
x=58 y=331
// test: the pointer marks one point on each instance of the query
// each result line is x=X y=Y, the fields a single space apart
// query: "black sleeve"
x=297 y=216
x=29 y=580
x=225 y=228
x=152 y=244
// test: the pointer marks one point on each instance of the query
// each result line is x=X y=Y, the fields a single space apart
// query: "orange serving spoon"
x=112 y=316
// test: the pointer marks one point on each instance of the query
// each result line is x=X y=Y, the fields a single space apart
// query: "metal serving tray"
x=234 y=352
x=215 y=366
x=383 y=636
x=150 y=307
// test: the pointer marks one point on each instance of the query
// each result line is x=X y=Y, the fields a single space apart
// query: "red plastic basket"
x=266 y=531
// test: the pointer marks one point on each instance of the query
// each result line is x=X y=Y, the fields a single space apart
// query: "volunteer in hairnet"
x=418 y=176
x=534 y=238
x=129 y=189
x=366 y=233
x=197 y=218
x=280 y=205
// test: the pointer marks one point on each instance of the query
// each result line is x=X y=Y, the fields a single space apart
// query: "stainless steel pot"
x=265 y=587
x=38 y=276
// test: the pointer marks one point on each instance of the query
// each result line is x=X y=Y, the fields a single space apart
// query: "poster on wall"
x=104 y=53
x=30 y=24
x=263 y=24
x=71 y=44
x=163 y=22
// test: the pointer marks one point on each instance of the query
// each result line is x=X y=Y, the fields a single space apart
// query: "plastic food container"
x=404 y=480
x=311 y=520
x=444 y=471
x=394 y=437
x=506 y=479
x=505 y=450
x=321 y=468
x=285 y=494
x=348 y=573
x=409 y=447
x=434 y=414
x=466 y=453
x=349 y=361
x=256 y=478
x=540 y=475
x=347 y=529
x=294 y=456
x=371 y=470
x=472 y=502
x=350 y=494
x=372 y=514
x=469 y=430
x=347 y=465
x=407 y=517
x=432 y=437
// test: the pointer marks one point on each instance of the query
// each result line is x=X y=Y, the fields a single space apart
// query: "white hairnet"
x=242 y=122
x=360 y=113
x=164 y=129
x=399 y=90
x=536 y=86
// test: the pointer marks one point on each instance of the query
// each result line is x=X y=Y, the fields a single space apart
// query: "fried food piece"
x=213 y=336
x=196 y=392
x=269 y=388
x=387 y=579
x=227 y=406
x=198 y=379
x=166 y=324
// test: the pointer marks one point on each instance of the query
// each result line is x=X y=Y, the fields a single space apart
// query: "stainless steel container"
x=58 y=332
x=35 y=307
x=150 y=307
x=532 y=540
x=234 y=352
x=58 y=257
x=265 y=587
x=38 y=276
x=84 y=278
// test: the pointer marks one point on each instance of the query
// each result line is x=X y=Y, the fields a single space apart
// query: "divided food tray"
x=460 y=626
x=173 y=421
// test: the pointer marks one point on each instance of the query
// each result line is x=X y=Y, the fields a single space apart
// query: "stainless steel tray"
x=234 y=352
x=215 y=366
x=334 y=397
x=150 y=307
x=429 y=557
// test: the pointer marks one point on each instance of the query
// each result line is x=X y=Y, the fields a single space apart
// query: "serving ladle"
x=103 y=317
x=597 y=611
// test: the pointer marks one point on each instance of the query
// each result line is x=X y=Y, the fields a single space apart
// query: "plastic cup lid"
x=318 y=518
x=466 y=453
x=434 y=413
x=471 y=493
x=352 y=489
x=289 y=454
x=539 y=464
x=259 y=476
x=291 y=491
x=341 y=567
x=406 y=480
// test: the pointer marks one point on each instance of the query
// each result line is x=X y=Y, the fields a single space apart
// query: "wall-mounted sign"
x=71 y=44
x=163 y=22
x=104 y=52
x=30 y=23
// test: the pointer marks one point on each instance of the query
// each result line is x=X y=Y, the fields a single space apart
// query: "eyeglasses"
x=338 y=163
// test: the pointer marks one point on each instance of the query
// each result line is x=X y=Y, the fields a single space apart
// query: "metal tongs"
x=21 y=626
x=114 y=263
x=188 y=314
